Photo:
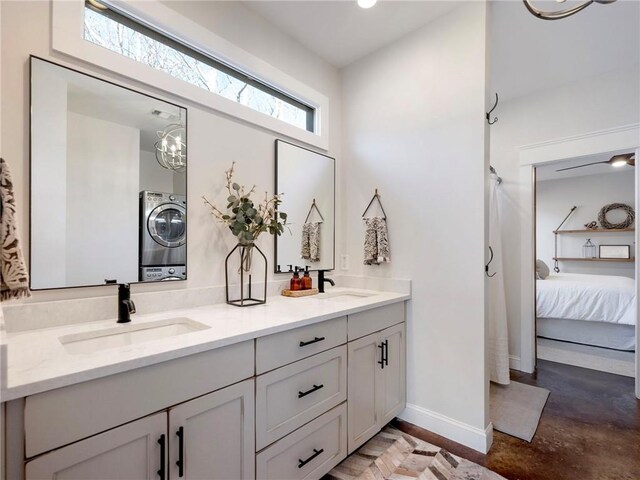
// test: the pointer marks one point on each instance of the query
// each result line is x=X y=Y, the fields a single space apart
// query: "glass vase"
x=240 y=266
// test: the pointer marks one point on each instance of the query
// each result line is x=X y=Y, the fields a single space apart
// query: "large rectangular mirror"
x=307 y=181
x=108 y=182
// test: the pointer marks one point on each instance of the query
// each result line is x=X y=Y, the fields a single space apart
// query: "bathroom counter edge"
x=35 y=361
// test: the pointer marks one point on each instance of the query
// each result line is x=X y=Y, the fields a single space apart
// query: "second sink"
x=344 y=296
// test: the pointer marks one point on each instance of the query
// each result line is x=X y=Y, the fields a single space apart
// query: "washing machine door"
x=167 y=225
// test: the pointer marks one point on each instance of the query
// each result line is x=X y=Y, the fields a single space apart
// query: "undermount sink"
x=344 y=296
x=131 y=334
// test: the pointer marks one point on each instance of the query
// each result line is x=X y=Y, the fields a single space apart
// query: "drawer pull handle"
x=161 y=472
x=311 y=342
x=382 y=359
x=302 y=463
x=314 y=389
x=180 y=461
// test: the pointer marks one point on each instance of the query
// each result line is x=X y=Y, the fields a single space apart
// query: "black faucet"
x=125 y=305
x=321 y=280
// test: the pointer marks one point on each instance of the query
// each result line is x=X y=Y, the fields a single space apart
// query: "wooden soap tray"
x=300 y=293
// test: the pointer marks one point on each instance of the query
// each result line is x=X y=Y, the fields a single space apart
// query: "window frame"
x=175 y=44
x=68 y=38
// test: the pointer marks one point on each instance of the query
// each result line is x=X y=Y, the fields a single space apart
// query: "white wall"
x=593 y=104
x=156 y=178
x=554 y=199
x=414 y=128
x=214 y=140
x=101 y=201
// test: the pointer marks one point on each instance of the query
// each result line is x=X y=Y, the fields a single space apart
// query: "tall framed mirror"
x=108 y=182
x=307 y=181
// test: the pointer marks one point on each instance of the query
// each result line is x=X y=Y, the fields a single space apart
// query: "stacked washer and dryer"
x=163 y=236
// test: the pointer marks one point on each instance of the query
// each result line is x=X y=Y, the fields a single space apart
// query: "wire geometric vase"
x=243 y=263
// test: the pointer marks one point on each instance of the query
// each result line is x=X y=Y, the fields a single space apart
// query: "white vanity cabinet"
x=217 y=444
x=295 y=394
x=212 y=438
x=73 y=427
x=308 y=453
x=376 y=382
x=301 y=424
x=286 y=406
x=135 y=450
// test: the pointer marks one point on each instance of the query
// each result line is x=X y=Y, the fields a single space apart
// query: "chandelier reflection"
x=171 y=149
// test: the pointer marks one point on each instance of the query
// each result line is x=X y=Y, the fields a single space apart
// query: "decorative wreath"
x=602 y=216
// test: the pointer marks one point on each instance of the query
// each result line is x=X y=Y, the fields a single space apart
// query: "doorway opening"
x=585 y=249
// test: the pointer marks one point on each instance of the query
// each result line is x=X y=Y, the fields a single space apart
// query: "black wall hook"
x=486 y=267
x=495 y=119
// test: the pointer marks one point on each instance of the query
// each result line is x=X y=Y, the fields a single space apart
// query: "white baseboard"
x=514 y=362
x=467 y=435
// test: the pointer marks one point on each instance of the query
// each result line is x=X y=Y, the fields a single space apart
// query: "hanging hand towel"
x=14 y=279
x=376 y=241
x=310 y=248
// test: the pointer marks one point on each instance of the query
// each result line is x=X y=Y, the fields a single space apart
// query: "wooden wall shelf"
x=599 y=230
x=577 y=259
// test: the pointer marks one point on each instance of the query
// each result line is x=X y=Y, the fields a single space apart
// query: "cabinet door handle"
x=161 y=472
x=381 y=361
x=386 y=353
x=302 y=463
x=180 y=461
x=311 y=342
x=314 y=389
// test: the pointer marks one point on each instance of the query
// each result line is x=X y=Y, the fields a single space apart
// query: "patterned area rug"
x=394 y=455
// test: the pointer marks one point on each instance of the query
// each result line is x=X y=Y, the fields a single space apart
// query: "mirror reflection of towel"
x=376 y=241
x=310 y=248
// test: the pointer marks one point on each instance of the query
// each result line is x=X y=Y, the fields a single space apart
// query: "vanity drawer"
x=307 y=453
x=291 y=396
x=364 y=323
x=68 y=414
x=279 y=349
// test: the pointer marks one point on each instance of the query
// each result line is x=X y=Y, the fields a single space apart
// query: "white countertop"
x=37 y=361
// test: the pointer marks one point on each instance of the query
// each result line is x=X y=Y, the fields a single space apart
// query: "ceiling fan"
x=615 y=161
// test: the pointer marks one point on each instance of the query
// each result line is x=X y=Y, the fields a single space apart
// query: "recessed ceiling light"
x=366 y=3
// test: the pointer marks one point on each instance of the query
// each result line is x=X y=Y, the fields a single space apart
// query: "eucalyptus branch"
x=214 y=211
x=246 y=219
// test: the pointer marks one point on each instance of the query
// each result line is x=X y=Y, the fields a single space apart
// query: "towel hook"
x=375 y=197
x=486 y=267
x=495 y=119
x=313 y=205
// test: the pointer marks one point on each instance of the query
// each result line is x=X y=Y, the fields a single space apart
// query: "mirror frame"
x=275 y=248
x=186 y=126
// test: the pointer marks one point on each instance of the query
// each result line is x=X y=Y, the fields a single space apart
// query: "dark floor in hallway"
x=589 y=430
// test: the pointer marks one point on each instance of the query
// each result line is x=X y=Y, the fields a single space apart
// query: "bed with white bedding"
x=595 y=310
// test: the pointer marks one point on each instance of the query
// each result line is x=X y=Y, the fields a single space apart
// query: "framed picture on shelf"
x=614 y=251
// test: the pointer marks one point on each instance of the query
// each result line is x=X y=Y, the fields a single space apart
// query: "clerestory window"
x=115 y=31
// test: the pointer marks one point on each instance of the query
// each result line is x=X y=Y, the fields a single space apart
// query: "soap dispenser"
x=296 y=282
x=307 y=282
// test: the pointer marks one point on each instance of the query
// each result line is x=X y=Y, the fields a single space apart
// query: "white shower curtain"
x=498 y=333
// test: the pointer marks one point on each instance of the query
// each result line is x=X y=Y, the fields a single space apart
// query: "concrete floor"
x=589 y=430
